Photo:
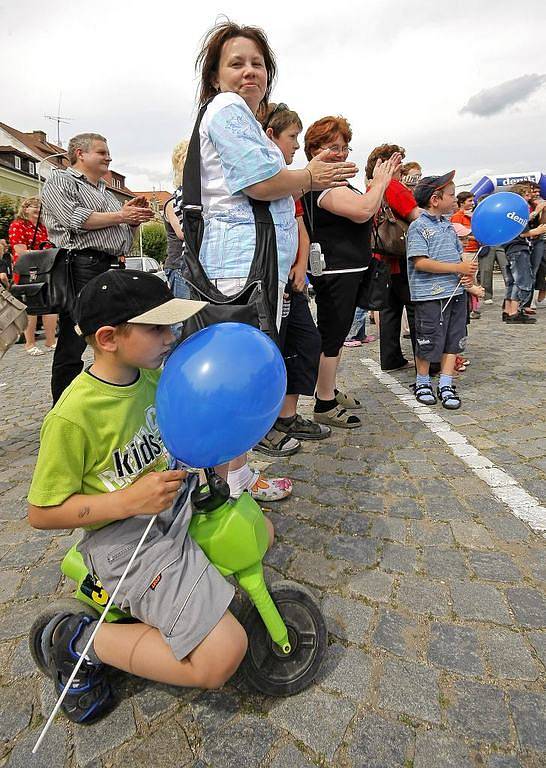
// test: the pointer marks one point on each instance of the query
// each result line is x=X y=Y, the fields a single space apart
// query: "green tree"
x=154 y=240
x=8 y=210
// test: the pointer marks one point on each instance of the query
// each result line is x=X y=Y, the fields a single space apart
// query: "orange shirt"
x=470 y=244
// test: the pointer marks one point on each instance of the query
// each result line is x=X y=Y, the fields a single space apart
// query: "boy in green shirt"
x=102 y=466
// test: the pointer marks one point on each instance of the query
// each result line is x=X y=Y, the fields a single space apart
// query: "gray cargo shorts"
x=440 y=328
x=171 y=585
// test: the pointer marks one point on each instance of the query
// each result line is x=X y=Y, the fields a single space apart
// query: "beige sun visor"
x=173 y=311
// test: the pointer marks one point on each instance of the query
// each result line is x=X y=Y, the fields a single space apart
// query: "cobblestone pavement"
x=433 y=590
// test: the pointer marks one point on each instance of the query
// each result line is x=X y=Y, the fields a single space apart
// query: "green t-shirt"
x=98 y=438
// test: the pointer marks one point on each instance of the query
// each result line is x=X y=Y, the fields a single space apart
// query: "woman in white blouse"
x=239 y=162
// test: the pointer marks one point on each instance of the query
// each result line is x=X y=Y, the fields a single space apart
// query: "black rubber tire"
x=265 y=667
x=63 y=605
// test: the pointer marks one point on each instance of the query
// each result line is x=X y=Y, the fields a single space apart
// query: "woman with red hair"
x=339 y=219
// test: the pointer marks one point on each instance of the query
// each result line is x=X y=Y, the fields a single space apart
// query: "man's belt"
x=92 y=252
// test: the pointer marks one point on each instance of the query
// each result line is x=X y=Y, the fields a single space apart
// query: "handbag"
x=13 y=320
x=45 y=281
x=45 y=278
x=374 y=286
x=389 y=233
x=256 y=303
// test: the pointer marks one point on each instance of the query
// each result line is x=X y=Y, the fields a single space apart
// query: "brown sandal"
x=347 y=401
x=338 y=417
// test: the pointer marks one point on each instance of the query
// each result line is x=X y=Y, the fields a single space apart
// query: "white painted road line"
x=501 y=484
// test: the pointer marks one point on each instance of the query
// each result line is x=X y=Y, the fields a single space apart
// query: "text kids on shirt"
x=102 y=467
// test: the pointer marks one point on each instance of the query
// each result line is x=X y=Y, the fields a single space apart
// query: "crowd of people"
x=261 y=219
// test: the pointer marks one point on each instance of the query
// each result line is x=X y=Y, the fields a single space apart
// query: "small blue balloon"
x=220 y=393
x=500 y=218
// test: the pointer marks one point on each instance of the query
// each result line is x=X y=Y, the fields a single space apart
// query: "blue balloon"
x=220 y=393
x=500 y=218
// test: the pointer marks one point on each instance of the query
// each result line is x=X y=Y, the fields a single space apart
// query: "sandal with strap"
x=449 y=397
x=424 y=394
x=337 y=417
x=347 y=401
x=35 y=351
x=303 y=429
x=278 y=443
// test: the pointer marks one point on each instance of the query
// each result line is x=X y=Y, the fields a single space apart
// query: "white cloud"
x=491 y=101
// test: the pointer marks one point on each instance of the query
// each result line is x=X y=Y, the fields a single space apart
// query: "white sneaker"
x=35 y=351
x=488 y=301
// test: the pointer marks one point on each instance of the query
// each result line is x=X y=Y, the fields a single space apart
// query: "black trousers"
x=300 y=344
x=67 y=359
x=390 y=326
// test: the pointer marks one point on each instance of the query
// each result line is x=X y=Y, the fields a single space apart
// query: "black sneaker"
x=90 y=696
x=521 y=318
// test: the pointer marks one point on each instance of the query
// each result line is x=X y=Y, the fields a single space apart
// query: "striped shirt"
x=68 y=199
x=435 y=238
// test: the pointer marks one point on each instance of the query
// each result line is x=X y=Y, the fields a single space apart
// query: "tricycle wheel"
x=64 y=605
x=265 y=666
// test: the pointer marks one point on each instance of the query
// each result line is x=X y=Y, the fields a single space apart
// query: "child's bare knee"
x=217 y=674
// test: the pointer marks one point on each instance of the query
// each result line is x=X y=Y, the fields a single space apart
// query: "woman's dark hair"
x=208 y=58
x=279 y=117
x=383 y=152
x=322 y=131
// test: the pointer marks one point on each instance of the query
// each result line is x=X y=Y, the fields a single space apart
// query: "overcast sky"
x=459 y=84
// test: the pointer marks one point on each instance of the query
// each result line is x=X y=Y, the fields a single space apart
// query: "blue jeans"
x=519 y=276
x=537 y=253
x=177 y=284
x=358 y=328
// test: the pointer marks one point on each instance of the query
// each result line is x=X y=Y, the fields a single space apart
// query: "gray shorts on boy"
x=171 y=585
x=440 y=328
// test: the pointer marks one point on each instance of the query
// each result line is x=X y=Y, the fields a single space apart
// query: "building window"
x=31 y=168
x=17 y=161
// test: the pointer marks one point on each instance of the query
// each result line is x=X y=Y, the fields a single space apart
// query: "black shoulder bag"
x=45 y=279
x=256 y=302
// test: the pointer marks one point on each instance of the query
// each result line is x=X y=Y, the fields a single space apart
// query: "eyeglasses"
x=338 y=150
x=279 y=108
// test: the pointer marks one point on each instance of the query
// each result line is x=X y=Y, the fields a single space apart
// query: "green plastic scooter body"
x=234 y=537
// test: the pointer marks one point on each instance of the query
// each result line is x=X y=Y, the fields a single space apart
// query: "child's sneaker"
x=90 y=696
x=270 y=489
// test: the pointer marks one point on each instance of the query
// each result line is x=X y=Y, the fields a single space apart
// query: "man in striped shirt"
x=83 y=215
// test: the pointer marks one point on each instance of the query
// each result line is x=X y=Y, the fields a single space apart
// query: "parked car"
x=146 y=264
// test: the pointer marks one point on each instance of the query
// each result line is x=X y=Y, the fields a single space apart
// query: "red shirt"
x=21 y=232
x=402 y=202
x=299 y=208
x=470 y=245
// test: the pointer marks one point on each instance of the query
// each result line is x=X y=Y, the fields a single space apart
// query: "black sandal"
x=277 y=443
x=446 y=393
x=303 y=429
x=424 y=390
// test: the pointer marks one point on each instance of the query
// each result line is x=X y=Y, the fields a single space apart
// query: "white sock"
x=240 y=480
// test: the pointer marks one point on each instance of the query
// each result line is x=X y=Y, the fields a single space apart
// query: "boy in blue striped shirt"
x=435 y=269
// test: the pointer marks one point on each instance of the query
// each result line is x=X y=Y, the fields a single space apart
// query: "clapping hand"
x=384 y=170
x=136 y=211
x=326 y=174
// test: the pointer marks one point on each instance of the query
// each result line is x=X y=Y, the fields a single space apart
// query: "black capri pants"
x=300 y=344
x=336 y=297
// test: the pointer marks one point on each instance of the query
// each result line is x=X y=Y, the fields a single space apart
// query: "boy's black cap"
x=429 y=185
x=129 y=296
